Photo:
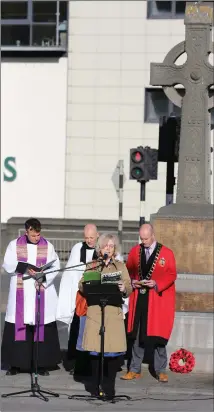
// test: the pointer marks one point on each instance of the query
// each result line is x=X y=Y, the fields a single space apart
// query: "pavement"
x=189 y=392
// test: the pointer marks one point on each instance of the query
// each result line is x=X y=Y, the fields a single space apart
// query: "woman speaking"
x=115 y=336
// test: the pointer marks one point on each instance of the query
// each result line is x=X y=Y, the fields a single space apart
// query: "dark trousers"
x=111 y=366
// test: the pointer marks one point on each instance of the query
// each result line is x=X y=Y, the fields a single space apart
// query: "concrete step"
x=203 y=358
x=194 y=332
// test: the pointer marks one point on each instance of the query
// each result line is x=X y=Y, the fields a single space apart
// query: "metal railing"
x=63 y=247
x=64 y=244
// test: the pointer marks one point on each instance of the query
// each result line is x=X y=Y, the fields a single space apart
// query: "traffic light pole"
x=142 y=200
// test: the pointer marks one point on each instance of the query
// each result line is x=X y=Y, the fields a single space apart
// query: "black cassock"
x=22 y=354
x=78 y=360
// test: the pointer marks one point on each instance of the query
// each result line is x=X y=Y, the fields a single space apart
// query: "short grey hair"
x=103 y=240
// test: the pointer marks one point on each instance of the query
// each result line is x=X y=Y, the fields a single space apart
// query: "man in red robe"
x=151 y=314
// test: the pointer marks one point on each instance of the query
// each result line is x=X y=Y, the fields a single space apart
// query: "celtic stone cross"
x=196 y=75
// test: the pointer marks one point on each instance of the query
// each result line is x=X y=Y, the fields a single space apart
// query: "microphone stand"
x=68 y=268
x=35 y=389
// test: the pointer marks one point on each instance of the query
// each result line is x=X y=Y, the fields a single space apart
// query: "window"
x=14 y=10
x=165 y=9
x=157 y=105
x=44 y=11
x=15 y=35
x=44 y=36
x=34 y=23
x=63 y=10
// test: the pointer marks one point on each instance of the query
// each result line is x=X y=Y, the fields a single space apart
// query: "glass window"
x=44 y=36
x=158 y=105
x=166 y=9
x=14 y=10
x=38 y=26
x=180 y=8
x=15 y=35
x=63 y=11
x=44 y=11
x=158 y=8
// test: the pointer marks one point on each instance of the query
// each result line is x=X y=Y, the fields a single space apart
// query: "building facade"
x=78 y=99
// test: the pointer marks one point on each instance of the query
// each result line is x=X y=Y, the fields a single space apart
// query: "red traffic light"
x=137 y=157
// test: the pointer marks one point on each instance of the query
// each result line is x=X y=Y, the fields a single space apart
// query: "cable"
x=143 y=398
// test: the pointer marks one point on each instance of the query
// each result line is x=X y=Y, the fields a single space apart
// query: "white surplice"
x=10 y=264
x=69 y=285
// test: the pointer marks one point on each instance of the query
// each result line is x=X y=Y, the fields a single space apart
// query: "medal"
x=143 y=291
x=162 y=262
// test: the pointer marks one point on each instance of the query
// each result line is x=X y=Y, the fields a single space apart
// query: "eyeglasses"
x=108 y=247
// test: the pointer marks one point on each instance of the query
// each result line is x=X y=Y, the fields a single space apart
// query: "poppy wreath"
x=182 y=361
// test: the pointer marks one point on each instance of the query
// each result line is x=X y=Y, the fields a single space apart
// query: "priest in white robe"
x=20 y=329
x=81 y=253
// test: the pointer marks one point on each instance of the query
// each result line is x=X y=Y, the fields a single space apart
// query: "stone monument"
x=187 y=226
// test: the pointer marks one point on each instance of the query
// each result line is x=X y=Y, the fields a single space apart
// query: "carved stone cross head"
x=196 y=75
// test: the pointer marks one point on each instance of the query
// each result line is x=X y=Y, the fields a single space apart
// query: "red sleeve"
x=170 y=274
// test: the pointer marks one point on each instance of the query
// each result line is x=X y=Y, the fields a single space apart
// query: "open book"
x=22 y=267
x=112 y=278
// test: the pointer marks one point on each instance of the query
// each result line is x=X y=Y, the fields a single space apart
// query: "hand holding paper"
x=121 y=286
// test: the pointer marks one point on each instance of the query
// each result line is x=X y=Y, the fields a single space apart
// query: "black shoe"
x=71 y=372
x=109 y=394
x=43 y=372
x=12 y=371
x=109 y=397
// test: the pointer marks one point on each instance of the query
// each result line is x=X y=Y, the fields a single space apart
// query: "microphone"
x=103 y=259
x=105 y=256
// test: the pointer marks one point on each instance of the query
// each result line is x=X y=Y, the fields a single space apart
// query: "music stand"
x=102 y=295
x=35 y=389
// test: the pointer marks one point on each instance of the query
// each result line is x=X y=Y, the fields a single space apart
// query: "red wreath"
x=182 y=361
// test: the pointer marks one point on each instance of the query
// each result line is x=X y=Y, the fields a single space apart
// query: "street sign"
x=116 y=176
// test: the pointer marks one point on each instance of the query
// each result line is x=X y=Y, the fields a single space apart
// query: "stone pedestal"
x=190 y=238
x=188 y=231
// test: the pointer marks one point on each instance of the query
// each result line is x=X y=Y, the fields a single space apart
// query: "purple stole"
x=22 y=255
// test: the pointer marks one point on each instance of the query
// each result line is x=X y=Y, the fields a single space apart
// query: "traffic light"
x=151 y=163
x=143 y=164
x=137 y=164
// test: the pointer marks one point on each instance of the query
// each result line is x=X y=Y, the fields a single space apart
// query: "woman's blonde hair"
x=103 y=240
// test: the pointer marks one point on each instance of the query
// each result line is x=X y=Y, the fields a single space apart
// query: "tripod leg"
x=41 y=396
x=49 y=393
x=7 y=395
